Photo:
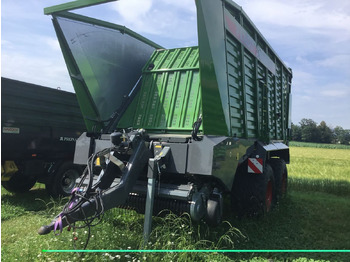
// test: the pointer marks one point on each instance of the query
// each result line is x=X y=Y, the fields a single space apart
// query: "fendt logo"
x=67 y=139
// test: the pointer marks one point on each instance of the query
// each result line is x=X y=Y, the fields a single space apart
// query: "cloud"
x=336 y=90
x=52 y=43
x=317 y=29
x=335 y=93
x=338 y=62
x=170 y=20
x=133 y=10
x=300 y=13
x=36 y=70
x=321 y=102
x=7 y=44
x=185 y=5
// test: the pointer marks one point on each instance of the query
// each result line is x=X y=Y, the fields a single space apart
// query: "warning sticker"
x=255 y=165
x=10 y=130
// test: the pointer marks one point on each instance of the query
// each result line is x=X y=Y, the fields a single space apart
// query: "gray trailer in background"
x=176 y=129
x=39 y=126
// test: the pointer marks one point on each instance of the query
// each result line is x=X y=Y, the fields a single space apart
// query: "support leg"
x=153 y=171
x=149 y=209
x=151 y=184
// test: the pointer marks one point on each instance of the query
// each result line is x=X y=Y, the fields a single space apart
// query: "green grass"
x=303 y=221
x=314 y=215
x=318 y=145
x=320 y=169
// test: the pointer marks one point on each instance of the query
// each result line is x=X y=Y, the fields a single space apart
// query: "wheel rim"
x=68 y=181
x=268 y=197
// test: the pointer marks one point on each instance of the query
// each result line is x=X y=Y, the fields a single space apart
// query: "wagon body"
x=201 y=121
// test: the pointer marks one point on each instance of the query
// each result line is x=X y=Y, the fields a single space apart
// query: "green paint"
x=212 y=68
x=169 y=98
x=233 y=78
x=101 y=75
x=73 y=5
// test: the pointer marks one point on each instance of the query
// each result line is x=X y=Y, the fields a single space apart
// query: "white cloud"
x=337 y=61
x=52 y=43
x=336 y=90
x=303 y=28
x=166 y=19
x=186 y=5
x=335 y=93
x=300 y=13
x=7 y=44
x=133 y=10
x=322 y=102
x=36 y=70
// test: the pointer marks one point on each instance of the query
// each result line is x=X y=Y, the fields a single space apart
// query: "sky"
x=311 y=36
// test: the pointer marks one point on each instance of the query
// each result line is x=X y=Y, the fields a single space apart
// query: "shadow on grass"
x=18 y=204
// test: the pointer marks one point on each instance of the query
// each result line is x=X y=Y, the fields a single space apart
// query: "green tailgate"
x=170 y=96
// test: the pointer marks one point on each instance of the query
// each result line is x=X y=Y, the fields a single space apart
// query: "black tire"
x=19 y=183
x=214 y=214
x=64 y=180
x=253 y=194
x=281 y=177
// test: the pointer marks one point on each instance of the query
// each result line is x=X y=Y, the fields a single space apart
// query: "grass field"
x=314 y=215
x=315 y=145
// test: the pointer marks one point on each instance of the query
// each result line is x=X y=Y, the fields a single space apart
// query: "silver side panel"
x=82 y=146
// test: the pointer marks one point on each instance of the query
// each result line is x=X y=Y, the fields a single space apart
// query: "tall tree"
x=341 y=136
x=325 y=133
x=296 y=132
x=309 y=131
x=346 y=138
